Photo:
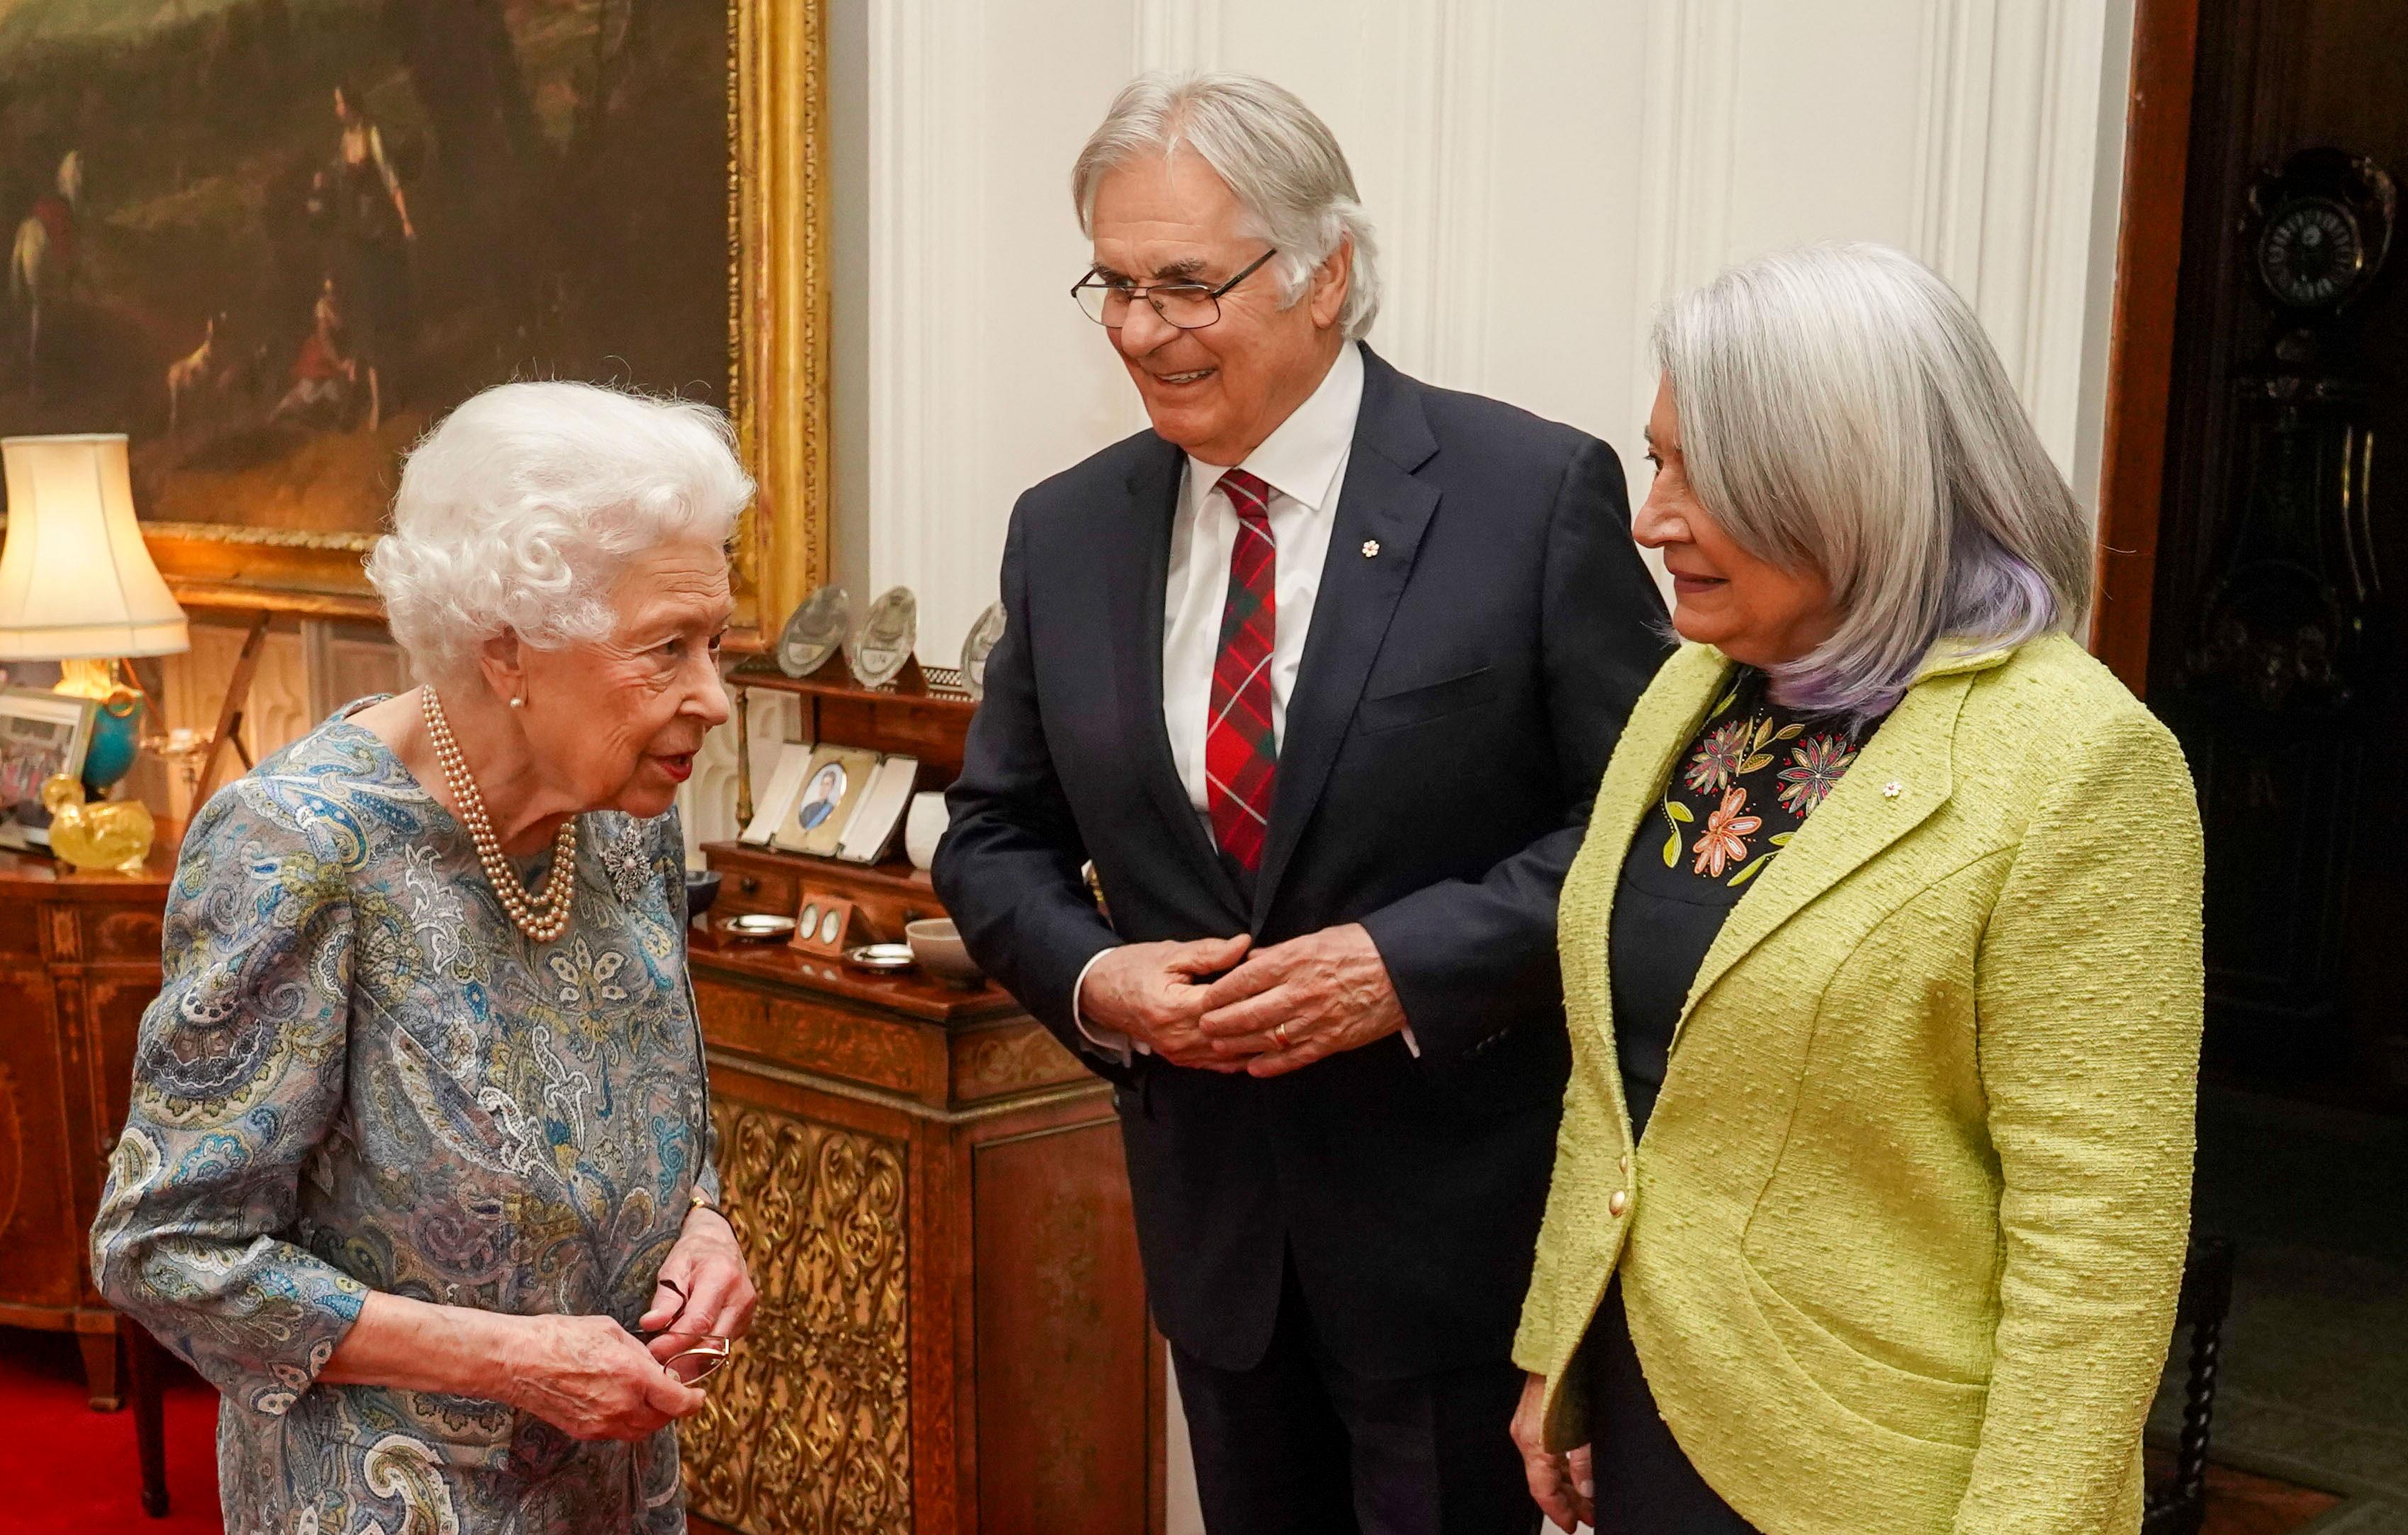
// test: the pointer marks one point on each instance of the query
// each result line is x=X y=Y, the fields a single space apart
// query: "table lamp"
x=78 y=584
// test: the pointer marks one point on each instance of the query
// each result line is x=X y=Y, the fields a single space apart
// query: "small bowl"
x=937 y=944
x=701 y=890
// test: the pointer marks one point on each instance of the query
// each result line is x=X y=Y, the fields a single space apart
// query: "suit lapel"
x=1903 y=776
x=1142 y=570
x=1380 y=503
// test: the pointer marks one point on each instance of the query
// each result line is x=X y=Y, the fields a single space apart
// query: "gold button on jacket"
x=1916 y=1189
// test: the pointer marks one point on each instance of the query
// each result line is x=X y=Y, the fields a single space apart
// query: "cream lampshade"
x=75 y=579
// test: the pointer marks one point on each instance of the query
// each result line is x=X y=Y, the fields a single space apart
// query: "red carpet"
x=65 y=1470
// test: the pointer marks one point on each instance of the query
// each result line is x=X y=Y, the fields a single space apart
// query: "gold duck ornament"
x=113 y=834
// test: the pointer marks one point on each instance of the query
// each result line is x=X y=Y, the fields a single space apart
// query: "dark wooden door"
x=2305 y=822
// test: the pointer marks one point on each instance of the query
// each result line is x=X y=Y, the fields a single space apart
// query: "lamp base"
x=113 y=835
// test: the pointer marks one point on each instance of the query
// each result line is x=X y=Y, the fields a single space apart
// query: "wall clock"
x=2318 y=229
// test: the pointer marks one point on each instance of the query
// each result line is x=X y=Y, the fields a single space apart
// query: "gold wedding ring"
x=1279 y=1034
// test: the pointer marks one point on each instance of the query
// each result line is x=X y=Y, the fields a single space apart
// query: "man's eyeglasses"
x=1189 y=306
x=706 y=1351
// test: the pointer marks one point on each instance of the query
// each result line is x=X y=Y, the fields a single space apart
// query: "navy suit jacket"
x=1459 y=693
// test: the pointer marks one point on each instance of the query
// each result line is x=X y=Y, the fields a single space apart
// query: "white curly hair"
x=517 y=513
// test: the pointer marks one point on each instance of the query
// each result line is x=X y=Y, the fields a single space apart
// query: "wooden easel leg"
x=230 y=713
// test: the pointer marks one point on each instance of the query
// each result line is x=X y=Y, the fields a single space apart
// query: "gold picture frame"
x=777 y=321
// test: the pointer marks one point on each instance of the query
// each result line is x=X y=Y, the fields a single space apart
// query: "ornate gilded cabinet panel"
x=810 y=1431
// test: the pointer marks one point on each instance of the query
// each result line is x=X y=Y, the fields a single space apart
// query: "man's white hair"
x=518 y=512
x=1841 y=408
x=1281 y=161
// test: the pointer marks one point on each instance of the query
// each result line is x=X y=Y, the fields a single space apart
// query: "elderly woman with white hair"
x=1882 y=961
x=417 y=1170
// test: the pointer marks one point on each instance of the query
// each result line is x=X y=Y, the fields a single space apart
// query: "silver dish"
x=977 y=646
x=881 y=648
x=816 y=630
x=879 y=957
x=757 y=926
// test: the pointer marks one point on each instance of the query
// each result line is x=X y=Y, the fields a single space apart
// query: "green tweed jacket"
x=1901 y=1246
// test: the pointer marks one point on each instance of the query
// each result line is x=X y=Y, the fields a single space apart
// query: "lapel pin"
x=1370 y=548
x=1892 y=789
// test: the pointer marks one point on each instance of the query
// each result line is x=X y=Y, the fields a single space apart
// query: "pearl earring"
x=518 y=704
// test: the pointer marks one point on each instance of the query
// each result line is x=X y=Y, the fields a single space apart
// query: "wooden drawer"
x=889 y=1054
x=758 y=887
x=886 y=896
x=1011 y=1057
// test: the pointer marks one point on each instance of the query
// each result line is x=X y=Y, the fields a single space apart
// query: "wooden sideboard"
x=951 y=1335
x=79 y=962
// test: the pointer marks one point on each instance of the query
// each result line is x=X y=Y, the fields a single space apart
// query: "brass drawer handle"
x=749 y=885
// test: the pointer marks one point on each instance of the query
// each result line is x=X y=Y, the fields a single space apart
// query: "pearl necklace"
x=543 y=918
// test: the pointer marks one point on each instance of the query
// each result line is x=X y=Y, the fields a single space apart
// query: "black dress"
x=1748 y=780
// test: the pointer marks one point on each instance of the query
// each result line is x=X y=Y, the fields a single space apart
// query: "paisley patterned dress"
x=359 y=1076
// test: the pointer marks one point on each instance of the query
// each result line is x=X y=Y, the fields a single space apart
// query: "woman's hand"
x=591 y=1378
x=1559 y=1484
x=708 y=1267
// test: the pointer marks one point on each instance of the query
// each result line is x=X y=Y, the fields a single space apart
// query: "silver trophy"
x=815 y=632
x=882 y=648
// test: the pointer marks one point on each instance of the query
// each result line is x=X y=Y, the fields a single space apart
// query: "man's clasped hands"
x=1214 y=1005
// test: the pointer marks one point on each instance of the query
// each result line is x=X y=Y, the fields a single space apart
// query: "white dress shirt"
x=1304 y=462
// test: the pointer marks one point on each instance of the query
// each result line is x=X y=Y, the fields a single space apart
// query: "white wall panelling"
x=2013 y=148
x=1542 y=175
x=343 y=662
x=1687 y=159
x=1178 y=34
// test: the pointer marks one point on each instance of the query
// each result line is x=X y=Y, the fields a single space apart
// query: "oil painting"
x=273 y=240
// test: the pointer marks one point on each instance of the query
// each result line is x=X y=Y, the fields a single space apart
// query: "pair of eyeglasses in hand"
x=702 y=1357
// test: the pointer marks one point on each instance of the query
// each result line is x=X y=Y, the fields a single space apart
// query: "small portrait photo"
x=41 y=733
x=821 y=797
x=826 y=794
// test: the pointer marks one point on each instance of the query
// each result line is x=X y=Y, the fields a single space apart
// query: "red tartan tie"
x=1241 y=753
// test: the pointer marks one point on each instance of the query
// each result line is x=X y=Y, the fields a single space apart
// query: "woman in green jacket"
x=1882 y=963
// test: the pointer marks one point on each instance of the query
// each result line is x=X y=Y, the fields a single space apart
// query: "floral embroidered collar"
x=1748 y=781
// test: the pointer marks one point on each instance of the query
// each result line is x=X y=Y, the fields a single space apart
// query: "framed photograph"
x=273 y=240
x=823 y=925
x=832 y=790
x=41 y=733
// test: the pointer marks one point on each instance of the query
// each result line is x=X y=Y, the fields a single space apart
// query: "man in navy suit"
x=1320 y=674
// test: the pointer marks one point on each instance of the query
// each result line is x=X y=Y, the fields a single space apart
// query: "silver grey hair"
x=519 y=510
x=1281 y=159
x=1841 y=407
